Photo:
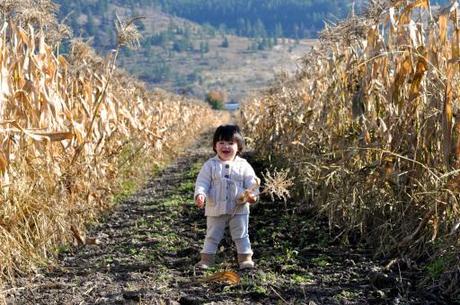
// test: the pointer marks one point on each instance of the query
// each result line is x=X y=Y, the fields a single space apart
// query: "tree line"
x=250 y=18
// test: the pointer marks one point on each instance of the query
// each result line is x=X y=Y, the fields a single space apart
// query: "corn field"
x=68 y=125
x=370 y=129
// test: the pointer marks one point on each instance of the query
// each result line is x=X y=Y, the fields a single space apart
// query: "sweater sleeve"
x=203 y=181
x=251 y=180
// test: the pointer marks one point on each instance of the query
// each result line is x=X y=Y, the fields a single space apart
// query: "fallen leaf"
x=228 y=277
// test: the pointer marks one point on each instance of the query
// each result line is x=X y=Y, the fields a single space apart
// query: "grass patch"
x=438 y=266
x=302 y=279
x=346 y=295
x=321 y=261
x=142 y=223
x=176 y=200
x=258 y=283
x=134 y=169
x=127 y=188
x=194 y=170
x=186 y=187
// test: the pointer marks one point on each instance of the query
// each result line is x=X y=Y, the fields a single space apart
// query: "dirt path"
x=150 y=244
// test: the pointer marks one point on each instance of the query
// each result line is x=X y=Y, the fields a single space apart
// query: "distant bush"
x=216 y=99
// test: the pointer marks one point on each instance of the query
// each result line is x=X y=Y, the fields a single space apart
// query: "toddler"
x=225 y=186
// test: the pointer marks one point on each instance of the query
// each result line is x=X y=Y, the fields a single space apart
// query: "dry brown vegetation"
x=370 y=128
x=68 y=126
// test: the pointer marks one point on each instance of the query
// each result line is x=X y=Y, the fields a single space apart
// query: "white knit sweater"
x=222 y=182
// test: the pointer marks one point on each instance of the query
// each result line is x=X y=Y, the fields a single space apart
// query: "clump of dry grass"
x=369 y=127
x=277 y=183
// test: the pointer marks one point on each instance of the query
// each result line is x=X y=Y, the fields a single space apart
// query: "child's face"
x=226 y=150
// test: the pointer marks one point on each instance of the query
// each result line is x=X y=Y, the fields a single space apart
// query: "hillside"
x=189 y=58
x=183 y=56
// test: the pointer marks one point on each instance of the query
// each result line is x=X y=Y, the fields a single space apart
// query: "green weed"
x=321 y=261
x=127 y=188
x=175 y=200
x=436 y=267
x=346 y=295
x=194 y=170
x=186 y=187
x=302 y=279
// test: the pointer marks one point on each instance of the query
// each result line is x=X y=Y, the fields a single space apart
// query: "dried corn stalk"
x=67 y=124
x=368 y=126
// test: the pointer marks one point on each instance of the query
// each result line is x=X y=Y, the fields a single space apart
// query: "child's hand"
x=199 y=201
x=251 y=198
x=247 y=196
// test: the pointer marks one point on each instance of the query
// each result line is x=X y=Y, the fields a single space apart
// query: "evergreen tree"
x=225 y=43
x=278 y=30
x=91 y=26
x=241 y=27
x=259 y=29
x=204 y=48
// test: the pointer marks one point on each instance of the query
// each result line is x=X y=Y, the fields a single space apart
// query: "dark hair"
x=228 y=133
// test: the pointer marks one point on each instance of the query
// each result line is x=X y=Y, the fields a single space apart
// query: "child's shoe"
x=207 y=260
x=245 y=261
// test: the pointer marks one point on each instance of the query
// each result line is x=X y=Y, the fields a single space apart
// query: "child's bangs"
x=228 y=137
